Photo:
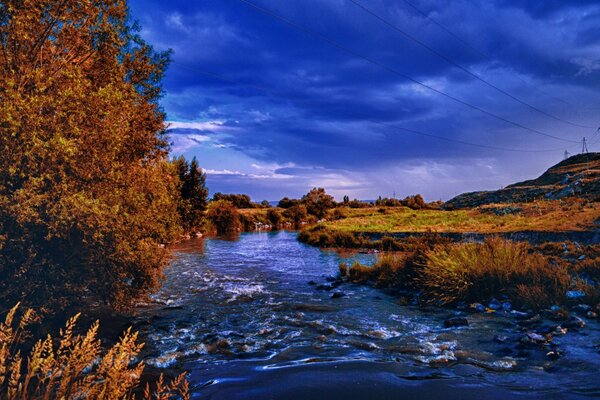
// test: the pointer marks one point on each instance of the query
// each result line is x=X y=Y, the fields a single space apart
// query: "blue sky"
x=271 y=110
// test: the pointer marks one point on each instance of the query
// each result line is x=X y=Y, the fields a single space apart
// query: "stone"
x=495 y=304
x=575 y=294
x=312 y=283
x=583 y=308
x=500 y=339
x=337 y=295
x=506 y=306
x=573 y=323
x=477 y=307
x=533 y=338
x=455 y=322
x=519 y=314
x=554 y=354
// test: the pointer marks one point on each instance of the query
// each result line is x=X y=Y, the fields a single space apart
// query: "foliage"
x=87 y=198
x=224 y=217
x=193 y=193
x=274 y=216
x=238 y=200
x=415 y=202
x=74 y=366
x=476 y=271
x=317 y=202
x=296 y=214
x=287 y=202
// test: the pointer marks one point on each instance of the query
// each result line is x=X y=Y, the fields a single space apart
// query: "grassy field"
x=538 y=216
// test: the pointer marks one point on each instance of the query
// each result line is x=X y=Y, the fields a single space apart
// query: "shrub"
x=359 y=273
x=477 y=271
x=296 y=214
x=274 y=216
x=338 y=214
x=75 y=366
x=224 y=217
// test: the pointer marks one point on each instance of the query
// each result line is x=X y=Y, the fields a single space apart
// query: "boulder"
x=455 y=321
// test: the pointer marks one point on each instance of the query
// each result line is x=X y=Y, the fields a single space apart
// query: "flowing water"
x=242 y=318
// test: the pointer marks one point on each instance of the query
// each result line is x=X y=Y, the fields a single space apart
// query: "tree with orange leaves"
x=87 y=196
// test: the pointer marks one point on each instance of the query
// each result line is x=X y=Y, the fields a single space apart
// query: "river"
x=242 y=318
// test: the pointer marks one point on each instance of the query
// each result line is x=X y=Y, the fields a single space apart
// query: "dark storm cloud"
x=288 y=98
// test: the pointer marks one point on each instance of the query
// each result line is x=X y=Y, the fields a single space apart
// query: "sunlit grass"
x=74 y=366
x=537 y=216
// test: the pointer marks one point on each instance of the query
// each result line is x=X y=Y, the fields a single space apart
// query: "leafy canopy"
x=87 y=197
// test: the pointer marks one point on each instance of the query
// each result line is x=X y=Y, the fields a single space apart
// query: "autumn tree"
x=317 y=202
x=87 y=197
x=224 y=217
x=193 y=193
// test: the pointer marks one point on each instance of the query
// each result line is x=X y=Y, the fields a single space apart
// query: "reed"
x=75 y=366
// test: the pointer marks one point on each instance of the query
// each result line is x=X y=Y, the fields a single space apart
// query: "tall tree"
x=87 y=197
x=194 y=194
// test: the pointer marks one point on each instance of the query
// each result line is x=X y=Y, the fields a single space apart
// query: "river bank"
x=242 y=316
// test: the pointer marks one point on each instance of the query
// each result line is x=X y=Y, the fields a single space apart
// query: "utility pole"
x=584 y=148
x=567 y=154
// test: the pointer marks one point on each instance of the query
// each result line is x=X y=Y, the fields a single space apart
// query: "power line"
x=335 y=44
x=461 y=67
x=478 y=51
x=413 y=131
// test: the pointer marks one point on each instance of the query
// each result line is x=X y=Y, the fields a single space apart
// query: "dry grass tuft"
x=74 y=366
x=476 y=271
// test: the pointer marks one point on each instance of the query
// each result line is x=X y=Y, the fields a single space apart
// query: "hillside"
x=577 y=176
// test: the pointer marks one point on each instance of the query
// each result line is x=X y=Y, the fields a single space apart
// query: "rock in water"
x=573 y=323
x=337 y=295
x=456 y=321
x=575 y=294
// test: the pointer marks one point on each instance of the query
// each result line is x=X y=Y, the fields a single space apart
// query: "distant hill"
x=577 y=176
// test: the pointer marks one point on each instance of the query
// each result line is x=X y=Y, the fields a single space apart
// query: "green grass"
x=538 y=216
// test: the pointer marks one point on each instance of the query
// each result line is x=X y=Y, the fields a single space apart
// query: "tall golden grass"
x=74 y=366
x=478 y=271
x=448 y=272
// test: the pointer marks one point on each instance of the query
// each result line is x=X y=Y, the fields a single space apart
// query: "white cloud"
x=215 y=125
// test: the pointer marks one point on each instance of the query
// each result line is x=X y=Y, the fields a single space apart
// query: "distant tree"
x=318 y=202
x=237 y=200
x=274 y=216
x=296 y=214
x=193 y=193
x=287 y=202
x=224 y=216
x=346 y=199
x=87 y=197
x=265 y=204
x=415 y=202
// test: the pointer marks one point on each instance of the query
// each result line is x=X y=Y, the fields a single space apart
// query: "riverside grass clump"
x=479 y=271
x=74 y=366
x=446 y=273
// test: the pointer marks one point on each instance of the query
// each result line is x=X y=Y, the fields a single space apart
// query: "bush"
x=479 y=271
x=74 y=367
x=274 y=216
x=297 y=214
x=224 y=217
